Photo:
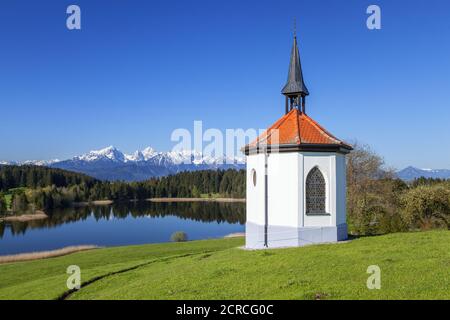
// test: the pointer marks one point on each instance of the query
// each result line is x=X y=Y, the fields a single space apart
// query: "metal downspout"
x=266 y=198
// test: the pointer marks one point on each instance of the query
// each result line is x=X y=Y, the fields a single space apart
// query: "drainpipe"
x=266 y=198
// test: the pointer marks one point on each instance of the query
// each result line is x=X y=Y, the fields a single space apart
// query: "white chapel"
x=296 y=176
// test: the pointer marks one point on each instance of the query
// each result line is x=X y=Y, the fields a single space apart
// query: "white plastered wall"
x=283 y=176
x=287 y=174
x=255 y=194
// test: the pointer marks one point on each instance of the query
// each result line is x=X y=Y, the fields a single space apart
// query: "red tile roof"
x=296 y=128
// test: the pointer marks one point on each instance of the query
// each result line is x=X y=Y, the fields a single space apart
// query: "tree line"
x=31 y=176
x=39 y=188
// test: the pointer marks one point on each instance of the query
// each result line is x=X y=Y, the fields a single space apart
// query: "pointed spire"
x=295 y=85
x=295 y=27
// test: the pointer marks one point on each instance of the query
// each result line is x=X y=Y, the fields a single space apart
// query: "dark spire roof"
x=295 y=85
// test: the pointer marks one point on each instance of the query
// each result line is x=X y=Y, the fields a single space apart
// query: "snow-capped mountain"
x=411 y=173
x=112 y=164
x=41 y=162
x=31 y=162
x=148 y=153
x=136 y=156
x=109 y=153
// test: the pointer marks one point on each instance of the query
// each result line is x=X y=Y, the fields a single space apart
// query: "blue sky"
x=140 y=69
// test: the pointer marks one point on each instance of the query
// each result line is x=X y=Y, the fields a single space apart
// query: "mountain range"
x=112 y=164
x=411 y=173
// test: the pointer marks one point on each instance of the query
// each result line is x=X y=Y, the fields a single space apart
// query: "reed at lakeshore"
x=45 y=254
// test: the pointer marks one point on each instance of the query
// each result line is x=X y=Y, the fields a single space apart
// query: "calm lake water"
x=122 y=224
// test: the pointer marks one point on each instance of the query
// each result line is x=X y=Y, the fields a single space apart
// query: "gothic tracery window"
x=315 y=192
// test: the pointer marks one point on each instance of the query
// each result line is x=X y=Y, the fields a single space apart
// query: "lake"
x=122 y=224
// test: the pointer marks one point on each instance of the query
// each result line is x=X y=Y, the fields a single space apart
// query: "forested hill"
x=25 y=187
x=30 y=176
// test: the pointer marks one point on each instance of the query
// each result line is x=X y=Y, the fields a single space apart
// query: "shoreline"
x=235 y=235
x=45 y=254
x=38 y=255
x=110 y=202
x=196 y=199
x=38 y=215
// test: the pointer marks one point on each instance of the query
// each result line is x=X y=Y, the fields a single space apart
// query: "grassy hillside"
x=413 y=266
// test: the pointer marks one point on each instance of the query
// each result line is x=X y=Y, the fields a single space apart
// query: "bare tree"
x=372 y=200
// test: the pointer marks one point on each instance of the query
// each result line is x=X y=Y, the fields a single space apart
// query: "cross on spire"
x=295 y=27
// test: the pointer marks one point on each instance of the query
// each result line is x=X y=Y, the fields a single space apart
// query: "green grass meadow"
x=413 y=266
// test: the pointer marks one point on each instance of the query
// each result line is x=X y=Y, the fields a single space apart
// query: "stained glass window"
x=315 y=192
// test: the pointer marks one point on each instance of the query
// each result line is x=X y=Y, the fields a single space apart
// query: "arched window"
x=254 y=177
x=315 y=192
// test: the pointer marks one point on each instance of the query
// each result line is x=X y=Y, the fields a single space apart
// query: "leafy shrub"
x=372 y=194
x=426 y=207
x=179 y=236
